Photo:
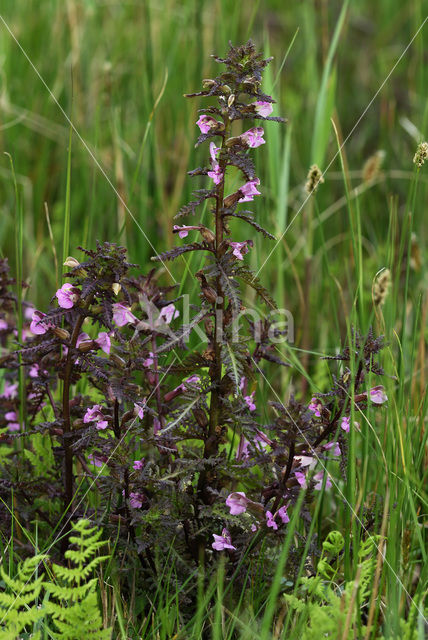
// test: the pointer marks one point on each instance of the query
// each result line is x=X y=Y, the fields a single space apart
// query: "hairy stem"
x=68 y=451
x=211 y=444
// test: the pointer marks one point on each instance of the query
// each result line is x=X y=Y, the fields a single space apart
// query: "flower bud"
x=207 y=235
x=231 y=100
x=71 y=262
x=120 y=362
x=62 y=334
x=116 y=288
x=207 y=83
x=87 y=345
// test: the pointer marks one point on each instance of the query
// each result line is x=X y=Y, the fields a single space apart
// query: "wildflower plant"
x=165 y=446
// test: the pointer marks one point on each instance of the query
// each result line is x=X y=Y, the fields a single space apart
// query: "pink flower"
x=138 y=464
x=315 y=406
x=28 y=311
x=206 y=123
x=10 y=391
x=250 y=401
x=168 y=313
x=222 y=542
x=249 y=190
x=345 y=424
x=254 y=528
x=183 y=231
x=122 y=315
x=95 y=414
x=330 y=445
x=67 y=296
x=37 y=326
x=12 y=417
x=306 y=461
x=264 y=109
x=216 y=173
x=81 y=338
x=239 y=249
x=135 y=499
x=97 y=461
x=253 y=137
x=3 y=324
x=282 y=513
x=270 y=522
x=301 y=479
x=34 y=370
x=378 y=395
x=319 y=478
x=104 y=342
x=139 y=410
x=237 y=503
x=148 y=361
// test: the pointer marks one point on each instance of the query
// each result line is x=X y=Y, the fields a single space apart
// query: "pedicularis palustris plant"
x=119 y=420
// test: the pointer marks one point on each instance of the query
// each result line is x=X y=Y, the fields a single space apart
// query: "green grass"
x=119 y=70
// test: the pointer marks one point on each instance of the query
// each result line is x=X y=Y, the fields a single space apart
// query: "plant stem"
x=211 y=444
x=68 y=452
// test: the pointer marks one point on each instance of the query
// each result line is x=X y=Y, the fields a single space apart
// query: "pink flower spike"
x=122 y=315
x=378 y=395
x=253 y=137
x=169 y=313
x=13 y=426
x=138 y=464
x=237 y=503
x=11 y=416
x=301 y=479
x=206 y=123
x=250 y=402
x=264 y=109
x=315 y=406
x=330 y=445
x=319 y=478
x=3 y=324
x=104 y=342
x=222 y=542
x=282 y=513
x=95 y=414
x=37 y=326
x=270 y=522
x=249 y=190
x=67 y=296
